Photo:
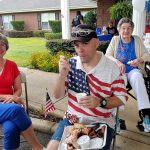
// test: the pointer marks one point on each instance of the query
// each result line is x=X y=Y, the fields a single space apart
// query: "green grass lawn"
x=20 y=49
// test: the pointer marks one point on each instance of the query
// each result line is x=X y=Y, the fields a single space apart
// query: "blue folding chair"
x=98 y=31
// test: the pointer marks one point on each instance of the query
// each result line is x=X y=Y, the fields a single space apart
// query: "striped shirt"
x=102 y=81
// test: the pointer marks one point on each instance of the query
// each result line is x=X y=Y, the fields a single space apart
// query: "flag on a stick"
x=49 y=107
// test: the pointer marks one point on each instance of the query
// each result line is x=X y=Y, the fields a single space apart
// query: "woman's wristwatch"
x=103 y=103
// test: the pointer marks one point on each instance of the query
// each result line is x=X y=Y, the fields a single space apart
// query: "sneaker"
x=122 y=124
x=146 y=124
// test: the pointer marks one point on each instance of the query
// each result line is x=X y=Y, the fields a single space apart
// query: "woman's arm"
x=17 y=93
x=17 y=86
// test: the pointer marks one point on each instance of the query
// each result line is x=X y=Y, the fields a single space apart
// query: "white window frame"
x=45 y=17
x=7 y=22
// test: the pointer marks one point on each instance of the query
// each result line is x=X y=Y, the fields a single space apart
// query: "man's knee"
x=53 y=145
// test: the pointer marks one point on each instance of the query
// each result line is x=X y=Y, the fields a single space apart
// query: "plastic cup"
x=84 y=141
x=80 y=95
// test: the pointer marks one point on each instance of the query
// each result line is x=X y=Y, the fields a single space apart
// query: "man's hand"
x=63 y=67
x=121 y=67
x=90 y=101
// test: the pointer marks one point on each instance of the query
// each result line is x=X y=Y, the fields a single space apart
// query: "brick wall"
x=30 y=19
x=103 y=15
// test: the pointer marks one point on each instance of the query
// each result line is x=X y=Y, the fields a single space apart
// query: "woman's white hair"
x=125 y=20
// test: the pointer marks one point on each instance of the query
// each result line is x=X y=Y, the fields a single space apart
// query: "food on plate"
x=79 y=125
x=80 y=133
x=96 y=142
x=84 y=141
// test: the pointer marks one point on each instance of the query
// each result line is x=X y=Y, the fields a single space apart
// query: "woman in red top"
x=13 y=117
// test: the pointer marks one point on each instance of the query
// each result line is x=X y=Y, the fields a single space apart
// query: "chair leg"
x=114 y=142
x=115 y=130
x=26 y=96
x=131 y=95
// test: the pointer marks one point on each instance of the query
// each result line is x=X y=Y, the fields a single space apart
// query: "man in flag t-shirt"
x=95 y=75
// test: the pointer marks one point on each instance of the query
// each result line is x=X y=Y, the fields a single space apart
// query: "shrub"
x=90 y=18
x=55 y=46
x=46 y=62
x=120 y=10
x=40 y=33
x=18 y=25
x=40 y=60
x=19 y=34
x=55 y=25
x=50 y=36
x=55 y=60
x=103 y=46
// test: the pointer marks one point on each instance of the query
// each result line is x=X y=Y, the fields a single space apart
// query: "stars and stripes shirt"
x=102 y=81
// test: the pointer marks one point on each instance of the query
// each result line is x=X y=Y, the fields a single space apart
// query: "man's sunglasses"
x=81 y=33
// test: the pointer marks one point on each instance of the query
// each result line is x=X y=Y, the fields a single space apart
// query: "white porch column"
x=65 y=19
x=139 y=22
x=139 y=17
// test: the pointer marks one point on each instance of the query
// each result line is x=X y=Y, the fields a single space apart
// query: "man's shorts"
x=60 y=129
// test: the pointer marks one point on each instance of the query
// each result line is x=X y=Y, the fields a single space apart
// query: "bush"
x=19 y=34
x=120 y=10
x=40 y=33
x=46 y=62
x=90 y=18
x=18 y=25
x=103 y=46
x=55 y=46
x=40 y=60
x=50 y=36
x=55 y=25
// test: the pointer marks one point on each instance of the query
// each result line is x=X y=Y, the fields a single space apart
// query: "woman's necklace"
x=127 y=47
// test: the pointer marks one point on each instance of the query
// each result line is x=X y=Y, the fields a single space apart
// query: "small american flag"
x=49 y=107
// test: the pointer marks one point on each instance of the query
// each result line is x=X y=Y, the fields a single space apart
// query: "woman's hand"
x=19 y=100
x=121 y=67
x=89 y=101
x=63 y=67
x=136 y=62
x=13 y=98
x=9 y=98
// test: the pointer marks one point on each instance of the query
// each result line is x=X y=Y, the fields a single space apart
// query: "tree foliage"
x=121 y=9
x=90 y=18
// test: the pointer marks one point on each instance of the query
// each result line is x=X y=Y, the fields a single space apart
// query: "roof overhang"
x=45 y=9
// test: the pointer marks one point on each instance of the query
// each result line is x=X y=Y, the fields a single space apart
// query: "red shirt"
x=8 y=76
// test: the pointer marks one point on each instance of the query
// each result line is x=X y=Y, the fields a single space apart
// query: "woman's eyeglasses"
x=81 y=33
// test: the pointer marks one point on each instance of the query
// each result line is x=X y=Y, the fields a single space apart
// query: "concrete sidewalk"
x=38 y=81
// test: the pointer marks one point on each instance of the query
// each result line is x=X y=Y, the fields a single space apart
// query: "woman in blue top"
x=130 y=54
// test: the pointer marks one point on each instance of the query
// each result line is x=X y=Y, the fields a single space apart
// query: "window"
x=7 y=22
x=45 y=17
x=84 y=13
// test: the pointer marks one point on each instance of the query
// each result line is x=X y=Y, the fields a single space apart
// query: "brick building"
x=36 y=13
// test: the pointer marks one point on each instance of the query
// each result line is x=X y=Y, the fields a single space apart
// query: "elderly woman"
x=129 y=53
x=13 y=116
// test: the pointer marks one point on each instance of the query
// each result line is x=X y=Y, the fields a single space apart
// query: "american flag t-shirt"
x=49 y=107
x=103 y=81
x=77 y=79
